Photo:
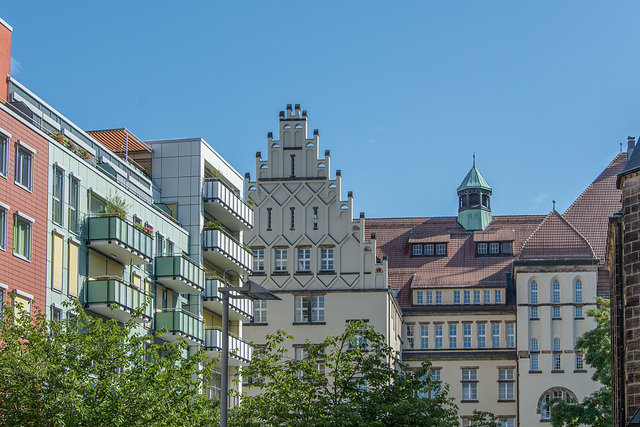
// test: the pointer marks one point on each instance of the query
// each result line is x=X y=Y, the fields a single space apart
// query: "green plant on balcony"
x=117 y=206
x=214 y=225
x=247 y=248
x=144 y=228
x=70 y=145
x=251 y=202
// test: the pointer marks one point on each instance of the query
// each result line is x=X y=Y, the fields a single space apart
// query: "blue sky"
x=403 y=93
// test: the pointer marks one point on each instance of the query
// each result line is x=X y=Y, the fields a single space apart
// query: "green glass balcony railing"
x=103 y=293
x=180 y=273
x=180 y=323
x=120 y=239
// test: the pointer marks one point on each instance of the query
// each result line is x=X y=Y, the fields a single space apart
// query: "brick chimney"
x=5 y=56
x=631 y=145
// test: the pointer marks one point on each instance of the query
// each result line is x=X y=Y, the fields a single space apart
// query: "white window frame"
x=533 y=312
x=494 y=248
x=482 y=335
x=301 y=303
x=4 y=152
x=410 y=337
x=419 y=297
x=74 y=201
x=22 y=151
x=476 y=297
x=469 y=385
x=534 y=362
x=429 y=297
x=556 y=312
x=495 y=335
x=511 y=335
x=309 y=309
x=326 y=259
x=304 y=259
x=57 y=196
x=533 y=293
x=438 y=335
x=280 y=260
x=556 y=292
x=467 y=297
x=317 y=308
x=4 y=213
x=428 y=250
x=441 y=249
x=438 y=297
x=260 y=311
x=466 y=334
x=578 y=292
x=22 y=219
x=453 y=335
x=498 y=296
x=482 y=249
x=456 y=297
x=258 y=260
x=416 y=250
x=487 y=296
x=579 y=361
x=424 y=336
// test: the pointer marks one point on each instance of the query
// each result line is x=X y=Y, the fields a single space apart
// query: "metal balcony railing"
x=216 y=191
x=119 y=239
x=104 y=292
x=217 y=241
x=180 y=323
x=179 y=273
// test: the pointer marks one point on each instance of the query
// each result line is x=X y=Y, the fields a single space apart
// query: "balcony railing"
x=225 y=204
x=239 y=350
x=180 y=274
x=180 y=323
x=241 y=308
x=225 y=251
x=113 y=297
x=119 y=239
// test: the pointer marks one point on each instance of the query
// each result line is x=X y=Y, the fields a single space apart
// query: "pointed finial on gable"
x=474 y=159
x=554 y=205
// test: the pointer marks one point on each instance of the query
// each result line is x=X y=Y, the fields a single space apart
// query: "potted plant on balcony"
x=214 y=225
x=117 y=206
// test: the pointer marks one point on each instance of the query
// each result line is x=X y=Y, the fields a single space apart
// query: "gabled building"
x=308 y=249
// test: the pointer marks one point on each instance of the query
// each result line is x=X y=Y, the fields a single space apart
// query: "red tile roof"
x=556 y=239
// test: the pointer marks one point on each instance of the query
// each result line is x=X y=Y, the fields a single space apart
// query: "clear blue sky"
x=403 y=92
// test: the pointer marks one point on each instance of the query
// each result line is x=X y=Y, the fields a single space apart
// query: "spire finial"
x=474 y=159
x=621 y=147
x=554 y=205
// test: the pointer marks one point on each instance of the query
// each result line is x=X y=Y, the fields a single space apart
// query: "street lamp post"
x=250 y=290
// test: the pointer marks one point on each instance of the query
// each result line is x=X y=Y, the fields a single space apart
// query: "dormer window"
x=494 y=249
x=429 y=250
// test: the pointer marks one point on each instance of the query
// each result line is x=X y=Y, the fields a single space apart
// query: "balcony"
x=180 y=274
x=239 y=350
x=240 y=309
x=224 y=251
x=180 y=324
x=119 y=240
x=112 y=297
x=223 y=203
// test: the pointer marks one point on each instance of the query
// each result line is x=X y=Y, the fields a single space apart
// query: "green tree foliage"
x=595 y=409
x=86 y=371
x=353 y=379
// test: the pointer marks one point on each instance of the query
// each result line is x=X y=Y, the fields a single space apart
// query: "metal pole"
x=224 y=393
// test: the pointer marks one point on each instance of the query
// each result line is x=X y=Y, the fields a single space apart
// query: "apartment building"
x=308 y=249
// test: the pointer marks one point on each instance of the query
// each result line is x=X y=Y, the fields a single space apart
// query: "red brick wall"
x=5 y=59
x=15 y=272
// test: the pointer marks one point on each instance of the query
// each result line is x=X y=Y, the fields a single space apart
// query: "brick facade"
x=15 y=272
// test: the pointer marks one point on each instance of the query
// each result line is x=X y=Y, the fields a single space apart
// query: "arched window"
x=544 y=405
x=556 y=292
x=533 y=292
x=578 y=296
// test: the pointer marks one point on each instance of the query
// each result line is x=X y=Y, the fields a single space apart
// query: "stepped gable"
x=590 y=212
x=461 y=267
x=556 y=239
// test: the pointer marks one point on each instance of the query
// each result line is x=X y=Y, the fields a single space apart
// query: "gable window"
x=74 y=188
x=24 y=168
x=487 y=297
x=494 y=248
x=482 y=248
x=467 y=297
x=258 y=260
x=498 y=297
x=304 y=259
x=281 y=260
x=438 y=297
x=326 y=261
x=429 y=296
x=58 y=195
x=417 y=250
x=309 y=308
x=476 y=297
x=419 y=297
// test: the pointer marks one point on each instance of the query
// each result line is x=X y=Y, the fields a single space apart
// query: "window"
x=487 y=297
x=309 y=308
x=438 y=297
x=268 y=219
x=293 y=218
x=578 y=287
x=535 y=363
x=304 y=259
x=557 y=363
x=417 y=250
x=505 y=384
x=469 y=384
x=453 y=336
x=410 y=339
x=441 y=249
x=495 y=335
x=419 y=297
x=3 y=228
x=579 y=361
x=466 y=331
x=424 y=336
x=428 y=250
x=22 y=238
x=533 y=293
x=482 y=337
x=556 y=292
x=556 y=344
x=258 y=260
x=482 y=248
x=73 y=268
x=293 y=167
x=169 y=247
x=456 y=297
x=281 y=260
x=96 y=204
x=476 y=297
x=4 y=146
x=56 y=313
x=534 y=344
x=579 y=312
x=315 y=218
x=494 y=248
x=533 y=312
x=429 y=296
x=260 y=311
x=24 y=168
x=467 y=297
x=506 y=248
x=438 y=333
x=58 y=196
x=507 y=422
x=511 y=335
x=74 y=188
x=556 y=312
x=159 y=244
x=326 y=260
x=498 y=297
x=57 y=262
x=3 y=298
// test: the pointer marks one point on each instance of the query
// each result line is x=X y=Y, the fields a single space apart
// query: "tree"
x=86 y=371
x=353 y=379
x=595 y=409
